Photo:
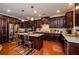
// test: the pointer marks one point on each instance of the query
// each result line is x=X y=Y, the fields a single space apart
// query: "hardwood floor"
x=49 y=48
x=13 y=49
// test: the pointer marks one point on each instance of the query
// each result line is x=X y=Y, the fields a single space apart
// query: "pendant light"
x=22 y=15
x=32 y=7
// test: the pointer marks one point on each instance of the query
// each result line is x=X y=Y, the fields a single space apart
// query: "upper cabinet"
x=26 y=24
x=77 y=15
x=45 y=20
x=69 y=19
x=65 y=21
x=57 y=22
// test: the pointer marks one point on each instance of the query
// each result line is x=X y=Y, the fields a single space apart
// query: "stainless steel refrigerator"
x=12 y=30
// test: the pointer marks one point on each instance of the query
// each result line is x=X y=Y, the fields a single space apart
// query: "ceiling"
x=45 y=9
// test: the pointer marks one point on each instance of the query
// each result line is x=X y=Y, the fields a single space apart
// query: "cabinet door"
x=4 y=27
x=45 y=20
x=38 y=23
x=0 y=30
x=76 y=19
x=73 y=48
x=57 y=22
x=76 y=15
x=61 y=23
x=69 y=18
x=51 y=23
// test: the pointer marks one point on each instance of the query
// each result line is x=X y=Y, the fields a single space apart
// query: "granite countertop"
x=70 y=38
x=22 y=33
x=30 y=34
x=49 y=32
x=36 y=35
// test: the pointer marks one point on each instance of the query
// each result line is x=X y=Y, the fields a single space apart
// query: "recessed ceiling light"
x=22 y=20
x=39 y=15
x=32 y=19
x=8 y=10
x=77 y=7
x=35 y=11
x=58 y=11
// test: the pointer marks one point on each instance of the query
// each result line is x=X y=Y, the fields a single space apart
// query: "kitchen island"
x=35 y=38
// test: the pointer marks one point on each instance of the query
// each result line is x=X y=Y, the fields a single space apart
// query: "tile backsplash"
x=52 y=30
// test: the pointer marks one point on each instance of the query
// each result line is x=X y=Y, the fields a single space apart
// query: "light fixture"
x=58 y=11
x=22 y=15
x=32 y=19
x=39 y=15
x=77 y=7
x=8 y=10
x=22 y=20
x=35 y=11
x=32 y=6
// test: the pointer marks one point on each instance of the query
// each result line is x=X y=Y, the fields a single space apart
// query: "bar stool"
x=24 y=40
x=21 y=40
x=27 y=42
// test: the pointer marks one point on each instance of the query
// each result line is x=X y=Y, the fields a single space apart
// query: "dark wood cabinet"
x=32 y=24
x=64 y=45
x=70 y=48
x=4 y=28
x=76 y=19
x=45 y=20
x=37 y=42
x=4 y=24
x=1 y=30
x=65 y=48
x=69 y=19
x=57 y=22
x=73 y=48
x=65 y=21
x=76 y=15
x=27 y=24
x=39 y=23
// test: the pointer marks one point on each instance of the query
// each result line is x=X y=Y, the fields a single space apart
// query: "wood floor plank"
x=49 y=48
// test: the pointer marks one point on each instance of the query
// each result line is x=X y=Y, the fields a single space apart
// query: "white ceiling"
x=49 y=9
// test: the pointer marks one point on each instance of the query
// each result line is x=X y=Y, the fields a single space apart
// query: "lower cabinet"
x=53 y=37
x=37 y=42
x=65 y=48
x=73 y=48
x=64 y=45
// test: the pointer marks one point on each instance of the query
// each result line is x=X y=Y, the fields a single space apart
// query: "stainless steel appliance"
x=12 y=29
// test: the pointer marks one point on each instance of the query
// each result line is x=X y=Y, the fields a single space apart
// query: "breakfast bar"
x=36 y=39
